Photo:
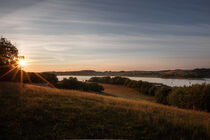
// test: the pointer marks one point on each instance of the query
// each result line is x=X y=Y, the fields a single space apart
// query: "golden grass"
x=125 y=92
x=42 y=112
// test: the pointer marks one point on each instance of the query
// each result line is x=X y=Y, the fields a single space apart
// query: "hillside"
x=195 y=73
x=42 y=112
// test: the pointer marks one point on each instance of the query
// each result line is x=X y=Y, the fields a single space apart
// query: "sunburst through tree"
x=12 y=65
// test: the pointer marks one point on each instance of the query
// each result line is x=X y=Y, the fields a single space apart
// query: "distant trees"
x=162 y=93
x=50 y=77
x=73 y=83
x=193 y=97
x=196 y=73
x=141 y=86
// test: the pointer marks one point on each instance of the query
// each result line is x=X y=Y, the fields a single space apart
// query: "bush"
x=95 y=87
x=73 y=83
x=50 y=77
x=192 y=97
x=162 y=93
x=152 y=90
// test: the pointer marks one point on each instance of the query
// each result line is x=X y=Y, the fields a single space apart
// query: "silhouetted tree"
x=8 y=52
x=8 y=57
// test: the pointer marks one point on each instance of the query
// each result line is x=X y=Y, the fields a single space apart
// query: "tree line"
x=73 y=83
x=51 y=79
x=193 y=97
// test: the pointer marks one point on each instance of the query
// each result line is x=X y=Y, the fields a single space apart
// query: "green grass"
x=47 y=113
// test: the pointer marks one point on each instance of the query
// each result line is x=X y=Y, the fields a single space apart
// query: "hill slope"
x=41 y=112
x=178 y=73
x=125 y=92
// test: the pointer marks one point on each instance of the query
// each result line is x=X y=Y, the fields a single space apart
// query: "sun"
x=21 y=63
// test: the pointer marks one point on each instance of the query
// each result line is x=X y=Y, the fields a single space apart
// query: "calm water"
x=169 y=82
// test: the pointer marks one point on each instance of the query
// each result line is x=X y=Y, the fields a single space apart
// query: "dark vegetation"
x=193 y=97
x=141 y=86
x=196 y=73
x=51 y=78
x=8 y=56
x=73 y=83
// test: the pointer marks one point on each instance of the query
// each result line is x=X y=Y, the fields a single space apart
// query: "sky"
x=103 y=35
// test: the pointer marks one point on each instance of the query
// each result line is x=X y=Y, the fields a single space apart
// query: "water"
x=169 y=82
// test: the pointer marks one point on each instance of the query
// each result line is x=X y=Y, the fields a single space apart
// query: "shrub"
x=152 y=90
x=50 y=77
x=73 y=83
x=95 y=87
x=162 y=93
x=192 y=97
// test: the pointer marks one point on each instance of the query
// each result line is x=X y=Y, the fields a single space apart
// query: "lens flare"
x=21 y=63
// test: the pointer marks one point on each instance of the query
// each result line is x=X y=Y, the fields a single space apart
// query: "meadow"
x=48 y=113
x=125 y=92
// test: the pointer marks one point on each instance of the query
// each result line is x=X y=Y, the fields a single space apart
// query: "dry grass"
x=125 y=92
x=41 y=112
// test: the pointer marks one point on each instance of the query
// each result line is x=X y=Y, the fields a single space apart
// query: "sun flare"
x=21 y=63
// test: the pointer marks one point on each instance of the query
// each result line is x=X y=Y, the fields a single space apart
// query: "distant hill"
x=195 y=73
x=48 y=113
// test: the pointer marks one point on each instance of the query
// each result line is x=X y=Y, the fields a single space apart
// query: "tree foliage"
x=8 y=52
x=141 y=86
x=8 y=58
x=193 y=97
x=73 y=83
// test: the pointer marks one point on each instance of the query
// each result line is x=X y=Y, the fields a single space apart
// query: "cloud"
x=109 y=32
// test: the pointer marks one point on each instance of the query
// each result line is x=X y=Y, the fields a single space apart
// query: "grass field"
x=47 y=113
x=125 y=92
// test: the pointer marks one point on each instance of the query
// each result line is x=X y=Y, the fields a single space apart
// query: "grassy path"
x=125 y=92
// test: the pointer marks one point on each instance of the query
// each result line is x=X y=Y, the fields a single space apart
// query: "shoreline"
x=178 y=78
